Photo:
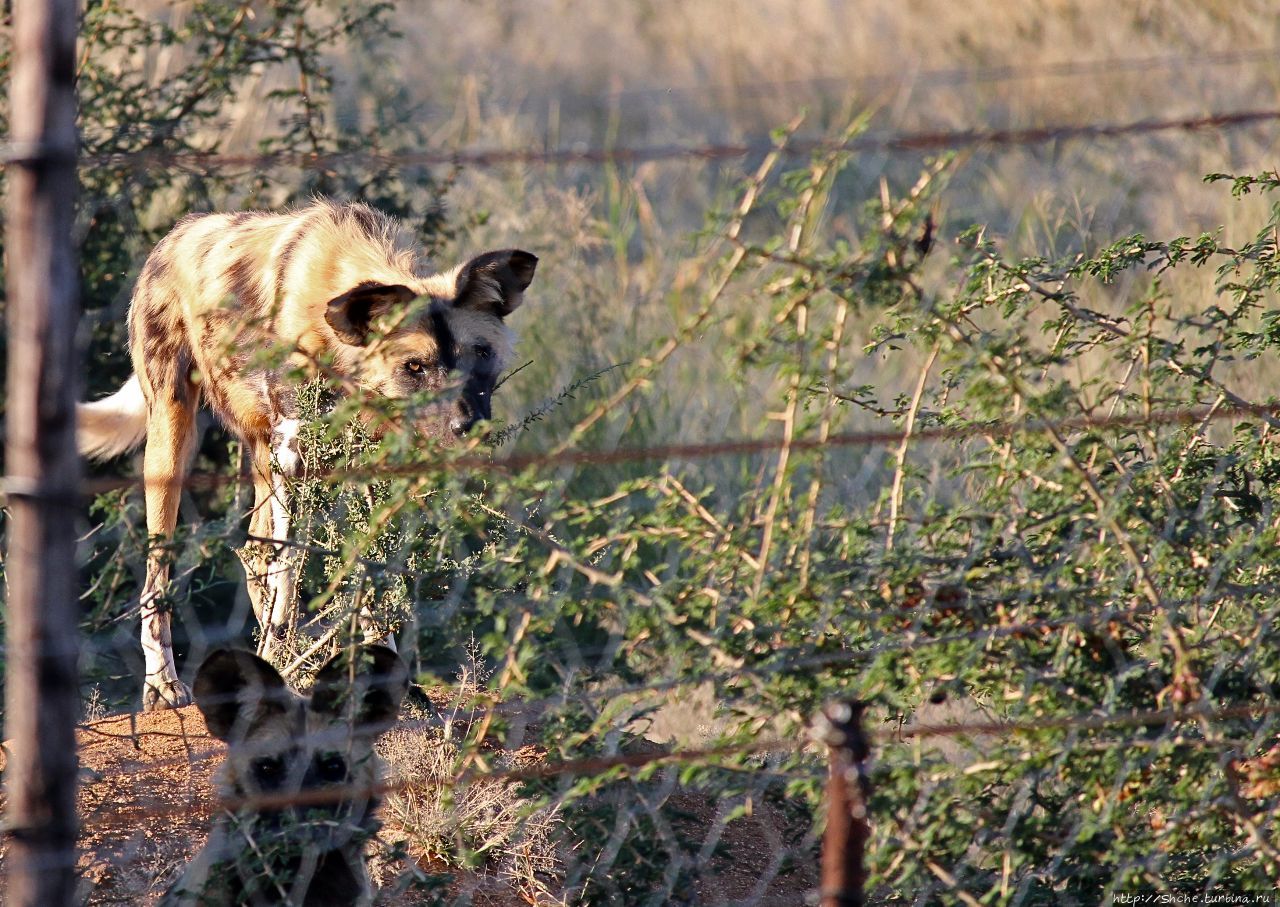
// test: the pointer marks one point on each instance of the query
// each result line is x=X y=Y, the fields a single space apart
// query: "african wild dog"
x=305 y=847
x=332 y=284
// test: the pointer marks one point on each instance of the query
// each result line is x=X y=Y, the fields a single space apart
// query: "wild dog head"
x=443 y=334
x=298 y=775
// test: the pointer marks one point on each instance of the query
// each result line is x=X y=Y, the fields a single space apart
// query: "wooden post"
x=42 y=699
x=844 y=845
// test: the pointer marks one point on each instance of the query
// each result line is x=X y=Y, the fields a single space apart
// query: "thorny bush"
x=1024 y=569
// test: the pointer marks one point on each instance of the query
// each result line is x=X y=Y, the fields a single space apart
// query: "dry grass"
x=619 y=265
x=735 y=65
x=485 y=826
x=618 y=246
x=490 y=828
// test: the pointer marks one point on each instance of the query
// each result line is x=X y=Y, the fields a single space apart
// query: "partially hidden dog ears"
x=235 y=689
x=364 y=684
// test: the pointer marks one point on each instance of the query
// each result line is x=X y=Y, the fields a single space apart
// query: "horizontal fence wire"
x=905 y=142
x=470 y=462
x=598 y=765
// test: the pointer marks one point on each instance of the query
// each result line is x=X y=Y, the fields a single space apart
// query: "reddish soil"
x=146 y=793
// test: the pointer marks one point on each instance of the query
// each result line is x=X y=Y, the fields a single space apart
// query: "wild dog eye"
x=269 y=771
x=416 y=367
x=331 y=768
x=482 y=352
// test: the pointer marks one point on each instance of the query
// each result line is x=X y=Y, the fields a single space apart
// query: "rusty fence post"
x=42 y=481
x=844 y=845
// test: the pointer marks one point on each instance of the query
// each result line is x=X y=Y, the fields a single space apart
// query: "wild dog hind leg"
x=170 y=436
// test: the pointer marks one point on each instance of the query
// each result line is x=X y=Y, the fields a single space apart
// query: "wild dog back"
x=330 y=282
x=287 y=838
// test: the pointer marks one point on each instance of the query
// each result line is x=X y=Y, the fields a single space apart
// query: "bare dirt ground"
x=147 y=796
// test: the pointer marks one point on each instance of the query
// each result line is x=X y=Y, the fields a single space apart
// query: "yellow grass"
x=619 y=266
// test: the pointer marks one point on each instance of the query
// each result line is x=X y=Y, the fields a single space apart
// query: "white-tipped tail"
x=113 y=425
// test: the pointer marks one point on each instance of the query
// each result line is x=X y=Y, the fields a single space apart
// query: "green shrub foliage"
x=1069 y=540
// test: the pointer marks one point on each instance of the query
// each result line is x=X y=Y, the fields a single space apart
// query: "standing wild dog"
x=299 y=847
x=337 y=285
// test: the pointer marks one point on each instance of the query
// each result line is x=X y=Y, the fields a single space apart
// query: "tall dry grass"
x=620 y=251
x=616 y=274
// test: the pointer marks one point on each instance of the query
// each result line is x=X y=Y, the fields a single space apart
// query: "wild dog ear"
x=496 y=281
x=351 y=314
x=369 y=690
x=236 y=690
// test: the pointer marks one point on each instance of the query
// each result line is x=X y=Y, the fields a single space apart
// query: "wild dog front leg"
x=256 y=554
x=280 y=572
x=269 y=569
x=170 y=433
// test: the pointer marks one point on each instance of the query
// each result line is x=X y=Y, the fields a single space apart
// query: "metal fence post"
x=42 y=481
x=848 y=827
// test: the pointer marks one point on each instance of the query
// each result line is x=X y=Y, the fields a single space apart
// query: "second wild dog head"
x=298 y=778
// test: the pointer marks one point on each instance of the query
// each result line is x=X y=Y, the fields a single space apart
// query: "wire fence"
x=909 y=142
x=131 y=768
x=469 y=463
x=1093 y=594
